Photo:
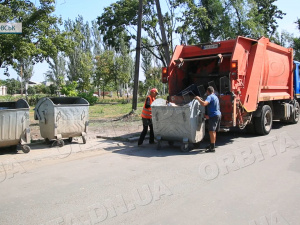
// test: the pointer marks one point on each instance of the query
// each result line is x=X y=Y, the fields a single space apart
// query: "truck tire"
x=263 y=123
x=295 y=115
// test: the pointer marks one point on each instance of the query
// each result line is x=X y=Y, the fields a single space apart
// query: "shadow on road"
x=147 y=150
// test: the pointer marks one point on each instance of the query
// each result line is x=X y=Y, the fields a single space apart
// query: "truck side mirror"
x=164 y=78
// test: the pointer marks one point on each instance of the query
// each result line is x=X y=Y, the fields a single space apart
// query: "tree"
x=268 y=13
x=283 y=38
x=202 y=22
x=296 y=44
x=69 y=89
x=96 y=39
x=27 y=69
x=13 y=86
x=211 y=20
x=85 y=71
x=146 y=60
x=80 y=63
x=122 y=63
x=57 y=71
x=40 y=38
x=118 y=23
x=104 y=69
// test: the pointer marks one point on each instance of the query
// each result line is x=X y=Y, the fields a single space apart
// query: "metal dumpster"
x=178 y=123
x=62 y=117
x=14 y=121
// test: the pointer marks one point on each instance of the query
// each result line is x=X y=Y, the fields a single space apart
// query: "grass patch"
x=99 y=111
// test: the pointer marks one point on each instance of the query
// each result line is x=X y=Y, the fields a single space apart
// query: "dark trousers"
x=146 y=123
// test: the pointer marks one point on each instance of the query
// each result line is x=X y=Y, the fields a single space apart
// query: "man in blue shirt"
x=214 y=115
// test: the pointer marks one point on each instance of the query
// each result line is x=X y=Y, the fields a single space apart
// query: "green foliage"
x=142 y=89
x=57 y=71
x=13 y=86
x=202 y=22
x=267 y=14
x=69 y=89
x=216 y=19
x=296 y=44
x=104 y=69
x=53 y=89
x=33 y=100
x=24 y=69
x=284 y=39
x=120 y=18
x=89 y=97
x=40 y=38
x=31 y=90
x=42 y=89
x=80 y=63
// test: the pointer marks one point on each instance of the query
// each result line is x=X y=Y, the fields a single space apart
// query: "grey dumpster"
x=62 y=117
x=178 y=123
x=14 y=121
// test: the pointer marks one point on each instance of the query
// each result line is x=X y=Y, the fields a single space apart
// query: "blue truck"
x=297 y=80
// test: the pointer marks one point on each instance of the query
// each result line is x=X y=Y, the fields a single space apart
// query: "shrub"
x=69 y=89
x=89 y=97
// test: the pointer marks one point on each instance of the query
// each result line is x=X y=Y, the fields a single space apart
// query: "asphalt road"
x=249 y=180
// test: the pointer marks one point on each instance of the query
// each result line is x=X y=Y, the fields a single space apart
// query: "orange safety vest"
x=147 y=113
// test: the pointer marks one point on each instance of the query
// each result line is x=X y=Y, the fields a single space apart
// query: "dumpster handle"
x=37 y=109
x=25 y=116
x=82 y=115
x=58 y=116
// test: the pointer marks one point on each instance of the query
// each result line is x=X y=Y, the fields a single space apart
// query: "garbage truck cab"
x=253 y=80
x=297 y=79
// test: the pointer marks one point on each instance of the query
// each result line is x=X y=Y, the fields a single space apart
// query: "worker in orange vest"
x=147 y=117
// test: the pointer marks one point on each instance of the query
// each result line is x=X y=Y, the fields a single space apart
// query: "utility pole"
x=163 y=33
x=137 y=57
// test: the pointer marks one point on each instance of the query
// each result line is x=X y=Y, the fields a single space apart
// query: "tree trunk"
x=103 y=91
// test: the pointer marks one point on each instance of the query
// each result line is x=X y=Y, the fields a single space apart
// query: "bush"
x=89 y=97
x=32 y=100
x=31 y=90
x=69 y=89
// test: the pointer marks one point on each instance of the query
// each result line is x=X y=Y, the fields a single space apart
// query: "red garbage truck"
x=252 y=78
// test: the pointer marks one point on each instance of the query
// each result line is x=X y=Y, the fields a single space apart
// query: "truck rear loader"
x=253 y=79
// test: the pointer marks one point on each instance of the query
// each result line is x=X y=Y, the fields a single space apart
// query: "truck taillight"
x=234 y=69
x=164 y=78
x=233 y=65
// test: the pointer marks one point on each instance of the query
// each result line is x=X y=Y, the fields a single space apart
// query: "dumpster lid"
x=69 y=101
x=60 y=101
x=20 y=104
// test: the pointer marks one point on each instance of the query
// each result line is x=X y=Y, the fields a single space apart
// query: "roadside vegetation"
x=88 y=58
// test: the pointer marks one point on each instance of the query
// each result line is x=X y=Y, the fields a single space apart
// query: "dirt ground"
x=107 y=129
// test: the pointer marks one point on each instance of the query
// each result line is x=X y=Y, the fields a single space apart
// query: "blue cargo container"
x=297 y=79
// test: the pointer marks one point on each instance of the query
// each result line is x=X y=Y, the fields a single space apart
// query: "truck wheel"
x=295 y=115
x=263 y=124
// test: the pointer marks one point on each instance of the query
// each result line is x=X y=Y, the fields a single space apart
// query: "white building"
x=3 y=90
x=33 y=83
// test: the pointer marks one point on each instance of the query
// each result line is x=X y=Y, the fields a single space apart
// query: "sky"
x=91 y=9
